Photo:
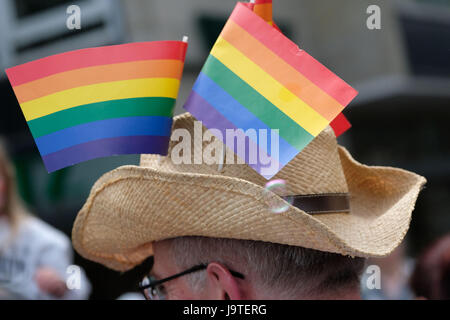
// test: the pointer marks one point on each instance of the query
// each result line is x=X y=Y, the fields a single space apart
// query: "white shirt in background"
x=35 y=245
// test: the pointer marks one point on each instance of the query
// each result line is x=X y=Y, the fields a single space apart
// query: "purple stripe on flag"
x=104 y=148
x=212 y=119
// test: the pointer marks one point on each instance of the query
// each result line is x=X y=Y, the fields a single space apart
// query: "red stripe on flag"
x=289 y=51
x=340 y=125
x=170 y=50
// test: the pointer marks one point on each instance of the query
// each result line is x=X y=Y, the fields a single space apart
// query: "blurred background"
x=400 y=118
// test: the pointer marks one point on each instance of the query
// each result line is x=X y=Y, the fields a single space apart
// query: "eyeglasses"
x=152 y=289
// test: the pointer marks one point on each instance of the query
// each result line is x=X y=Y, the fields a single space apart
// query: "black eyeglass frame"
x=199 y=267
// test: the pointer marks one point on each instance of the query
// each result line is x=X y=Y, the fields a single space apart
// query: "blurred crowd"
x=405 y=278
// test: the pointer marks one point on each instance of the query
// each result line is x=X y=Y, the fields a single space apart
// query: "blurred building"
x=402 y=72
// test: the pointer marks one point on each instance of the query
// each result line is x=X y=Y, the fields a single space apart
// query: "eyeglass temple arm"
x=191 y=270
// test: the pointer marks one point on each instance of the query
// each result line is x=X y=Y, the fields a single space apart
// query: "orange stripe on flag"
x=281 y=71
x=83 y=58
x=290 y=52
x=98 y=74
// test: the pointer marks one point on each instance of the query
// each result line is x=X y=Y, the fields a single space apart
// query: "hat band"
x=322 y=203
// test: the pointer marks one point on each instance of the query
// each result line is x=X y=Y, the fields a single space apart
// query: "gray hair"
x=287 y=269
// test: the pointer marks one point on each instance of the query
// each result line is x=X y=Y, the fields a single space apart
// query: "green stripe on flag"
x=133 y=107
x=254 y=102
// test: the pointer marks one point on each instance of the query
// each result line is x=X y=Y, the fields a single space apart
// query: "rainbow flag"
x=98 y=102
x=264 y=9
x=257 y=79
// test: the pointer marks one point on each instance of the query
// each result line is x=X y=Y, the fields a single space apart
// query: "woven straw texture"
x=131 y=207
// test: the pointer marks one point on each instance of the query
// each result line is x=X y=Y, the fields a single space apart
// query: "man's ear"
x=221 y=283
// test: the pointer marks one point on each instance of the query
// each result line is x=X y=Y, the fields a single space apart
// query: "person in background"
x=34 y=257
x=395 y=270
x=431 y=276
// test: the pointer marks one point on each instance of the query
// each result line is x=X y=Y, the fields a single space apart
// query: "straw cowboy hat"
x=339 y=205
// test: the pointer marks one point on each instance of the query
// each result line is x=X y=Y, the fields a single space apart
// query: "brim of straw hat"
x=131 y=207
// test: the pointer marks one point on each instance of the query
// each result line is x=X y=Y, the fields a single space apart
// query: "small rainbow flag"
x=98 y=102
x=257 y=79
x=264 y=9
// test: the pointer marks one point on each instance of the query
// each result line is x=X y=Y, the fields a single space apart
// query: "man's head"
x=271 y=271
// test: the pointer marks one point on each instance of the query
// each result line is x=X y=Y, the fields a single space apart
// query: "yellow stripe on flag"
x=136 y=88
x=268 y=87
x=281 y=71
